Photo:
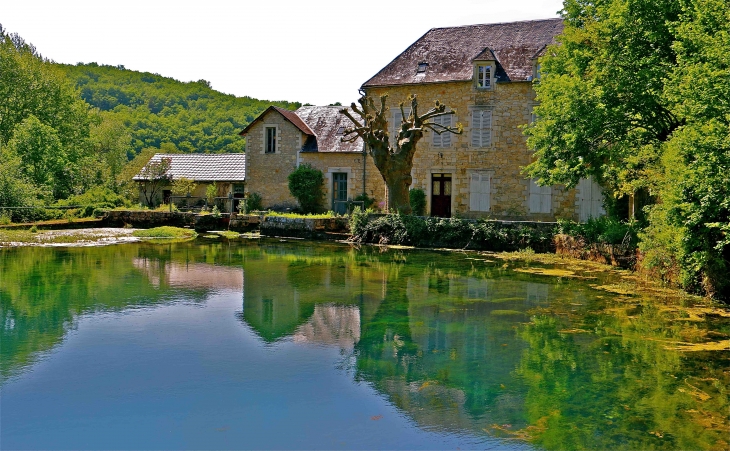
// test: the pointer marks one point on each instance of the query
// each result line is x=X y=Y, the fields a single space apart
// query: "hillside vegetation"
x=156 y=110
x=75 y=135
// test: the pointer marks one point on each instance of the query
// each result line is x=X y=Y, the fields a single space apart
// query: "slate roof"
x=327 y=123
x=204 y=167
x=450 y=51
x=288 y=115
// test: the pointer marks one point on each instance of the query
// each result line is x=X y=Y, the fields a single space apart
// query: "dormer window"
x=422 y=68
x=341 y=131
x=484 y=74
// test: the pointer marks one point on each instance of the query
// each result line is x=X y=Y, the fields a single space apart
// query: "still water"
x=281 y=345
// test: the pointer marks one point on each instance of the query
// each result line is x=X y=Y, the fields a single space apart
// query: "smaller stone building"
x=226 y=171
x=279 y=140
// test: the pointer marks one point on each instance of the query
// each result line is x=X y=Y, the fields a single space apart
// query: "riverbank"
x=67 y=237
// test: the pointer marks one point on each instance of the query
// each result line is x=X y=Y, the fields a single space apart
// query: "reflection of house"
x=484 y=73
x=332 y=325
x=190 y=275
x=226 y=171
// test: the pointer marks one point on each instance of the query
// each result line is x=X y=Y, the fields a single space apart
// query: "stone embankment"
x=320 y=228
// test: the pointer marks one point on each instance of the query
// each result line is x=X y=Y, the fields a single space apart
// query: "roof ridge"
x=497 y=23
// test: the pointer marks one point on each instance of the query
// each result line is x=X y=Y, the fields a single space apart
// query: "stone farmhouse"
x=485 y=73
x=226 y=171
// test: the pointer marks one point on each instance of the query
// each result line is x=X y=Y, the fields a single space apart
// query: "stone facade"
x=268 y=172
x=501 y=160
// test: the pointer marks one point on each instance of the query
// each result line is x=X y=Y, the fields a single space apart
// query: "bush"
x=602 y=230
x=418 y=201
x=254 y=202
x=448 y=232
x=306 y=184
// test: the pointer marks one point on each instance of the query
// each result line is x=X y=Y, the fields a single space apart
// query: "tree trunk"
x=399 y=192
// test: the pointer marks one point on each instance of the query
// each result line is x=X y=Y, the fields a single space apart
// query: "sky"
x=313 y=51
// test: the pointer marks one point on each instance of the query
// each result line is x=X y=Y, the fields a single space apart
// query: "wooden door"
x=339 y=192
x=441 y=195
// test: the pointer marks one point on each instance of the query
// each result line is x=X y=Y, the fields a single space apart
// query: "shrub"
x=254 y=202
x=418 y=201
x=306 y=184
x=366 y=200
x=448 y=232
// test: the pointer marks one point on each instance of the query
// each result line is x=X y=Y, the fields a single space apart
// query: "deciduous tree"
x=394 y=159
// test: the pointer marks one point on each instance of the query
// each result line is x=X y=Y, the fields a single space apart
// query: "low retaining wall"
x=147 y=219
x=323 y=228
x=608 y=254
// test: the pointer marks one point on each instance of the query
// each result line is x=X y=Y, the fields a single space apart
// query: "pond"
x=294 y=345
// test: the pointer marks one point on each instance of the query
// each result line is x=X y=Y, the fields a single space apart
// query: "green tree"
x=601 y=108
x=42 y=119
x=306 y=184
x=692 y=224
x=394 y=161
x=42 y=156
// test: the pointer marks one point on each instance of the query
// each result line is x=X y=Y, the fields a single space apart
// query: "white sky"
x=315 y=51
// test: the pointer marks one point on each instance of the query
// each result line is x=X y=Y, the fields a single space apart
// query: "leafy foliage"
x=692 y=224
x=418 y=201
x=154 y=109
x=449 y=232
x=254 y=202
x=306 y=184
x=601 y=109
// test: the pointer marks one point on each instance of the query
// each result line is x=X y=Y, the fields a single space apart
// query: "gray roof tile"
x=202 y=167
x=450 y=51
x=327 y=123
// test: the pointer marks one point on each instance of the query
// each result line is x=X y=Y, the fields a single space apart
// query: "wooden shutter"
x=479 y=192
x=396 y=122
x=481 y=128
x=540 y=198
x=590 y=200
x=444 y=139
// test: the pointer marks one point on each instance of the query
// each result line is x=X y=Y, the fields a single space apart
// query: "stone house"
x=226 y=171
x=279 y=140
x=485 y=73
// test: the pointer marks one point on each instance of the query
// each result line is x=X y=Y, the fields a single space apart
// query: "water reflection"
x=459 y=345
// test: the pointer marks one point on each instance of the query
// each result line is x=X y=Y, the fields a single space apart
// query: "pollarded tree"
x=394 y=159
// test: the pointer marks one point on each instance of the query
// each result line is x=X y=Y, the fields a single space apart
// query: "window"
x=479 y=191
x=444 y=139
x=270 y=136
x=481 y=128
x=540 y=198
x=484 y=76
x=422 y=67
x=397 y=121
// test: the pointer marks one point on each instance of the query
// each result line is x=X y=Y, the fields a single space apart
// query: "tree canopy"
x=155 y=109
x=637 y=94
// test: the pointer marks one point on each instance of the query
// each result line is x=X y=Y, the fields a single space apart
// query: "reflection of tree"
x=615 y=391
x=43 y=291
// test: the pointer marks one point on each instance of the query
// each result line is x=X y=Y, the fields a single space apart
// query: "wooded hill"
x=156 y=109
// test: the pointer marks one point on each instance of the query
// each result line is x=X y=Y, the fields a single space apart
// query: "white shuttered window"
x=541 y=198
x=481 y=128
x=444 y=139
x=479 y=191
x=396 y=122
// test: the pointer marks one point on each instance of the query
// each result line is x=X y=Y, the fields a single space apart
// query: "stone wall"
x=266 y=173
x=321 y=228
x=511 y=107
x=352 y=164
x=148 y=218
